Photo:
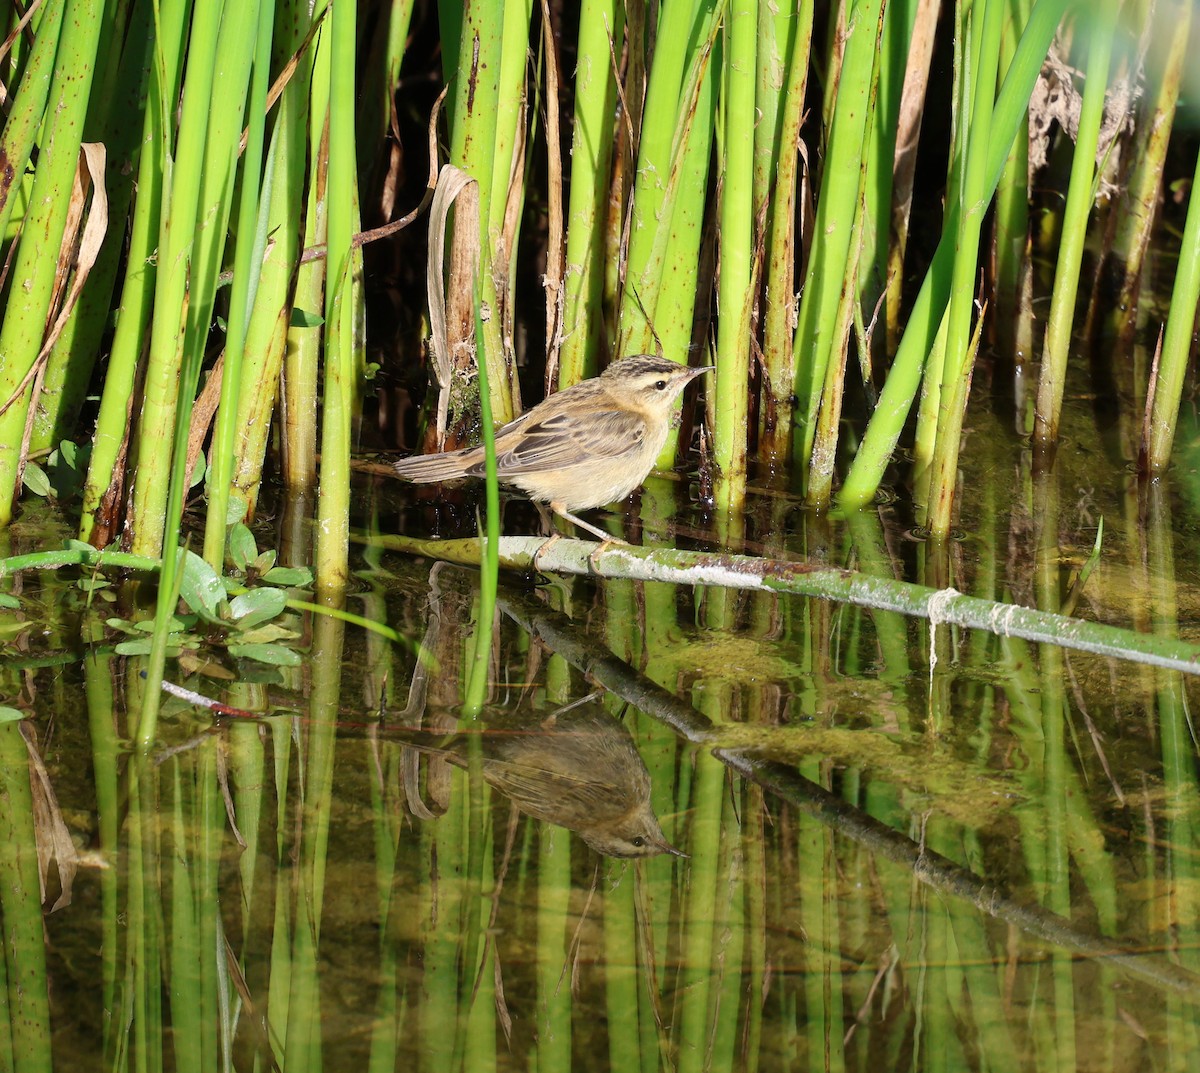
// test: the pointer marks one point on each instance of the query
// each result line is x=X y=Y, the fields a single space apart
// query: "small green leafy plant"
x=243 y=613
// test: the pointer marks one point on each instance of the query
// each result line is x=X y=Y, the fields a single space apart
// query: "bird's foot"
x=601 y=548
x=546 y=546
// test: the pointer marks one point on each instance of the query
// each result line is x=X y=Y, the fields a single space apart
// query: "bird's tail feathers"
x=426 y=469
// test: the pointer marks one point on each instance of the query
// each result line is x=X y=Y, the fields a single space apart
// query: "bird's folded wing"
x=564 y=439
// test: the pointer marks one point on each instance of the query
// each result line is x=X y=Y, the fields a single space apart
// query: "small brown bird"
x=590 y=444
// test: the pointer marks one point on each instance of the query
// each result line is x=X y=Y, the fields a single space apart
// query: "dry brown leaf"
x=452 y=322
x=54 y=842
x=502 y=1013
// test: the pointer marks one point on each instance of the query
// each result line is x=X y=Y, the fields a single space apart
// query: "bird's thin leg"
x=546 y=517
x=607 y=538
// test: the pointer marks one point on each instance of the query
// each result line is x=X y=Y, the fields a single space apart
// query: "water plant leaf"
x=242 y=548
x=67 y=468
x=200 y=587
x=175 y=624
x=288 y=575
x=9 y=601
x=35 y=480
x=273 y=654
x=257 y=606
x=10 y=715
x=141 y=647
x=235 y=510
x=199 y=472
x=302 y=318
x=263 y=635
x=264 y=562
x=191 y=663
x=146 y=626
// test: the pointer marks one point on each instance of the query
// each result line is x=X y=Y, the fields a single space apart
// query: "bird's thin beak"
x=668 y=848
x=699 y=370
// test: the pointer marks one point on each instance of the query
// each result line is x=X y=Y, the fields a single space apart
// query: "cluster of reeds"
x=741 y=180
x=720 y=175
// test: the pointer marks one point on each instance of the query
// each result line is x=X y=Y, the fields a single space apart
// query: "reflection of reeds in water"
x=793 y=937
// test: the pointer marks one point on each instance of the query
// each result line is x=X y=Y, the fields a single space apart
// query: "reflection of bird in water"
x=577 y=768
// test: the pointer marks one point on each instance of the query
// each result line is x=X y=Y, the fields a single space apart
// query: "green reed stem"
x=303 y=1037
x=775 y=430
x=1177 y=342
x=622 y=981
x=1080 y=195
x=480 y=122
x=889 y=417
x=820 y=911
x=980 y=72
x=699 y=923
x=895 y=48
x=477 y=680
x=28 y=1000
x=822 y=437
x=248 y=778
x=104 y=751
x=815 y=340
x=440 y=1009
x=510 y=111
x=267 y=332
x=1149 y=154
x=191 y=238
x=601 y=23
x=192 y=232
x=554 y=996
x=137 y=294
x=186 y=949
x=31 y=287
x=302 y=349
x=683 y=258
x=27 y=107
x=340 y=387
x=115 y=118
x=682 y=56
x=380 y=72
x=247 y=266
x=736 y=254
x=910 y=118
x=1013 y=286
x=1176 y=728
x=1054 y=885
x=728 y=1021
x=144 y=914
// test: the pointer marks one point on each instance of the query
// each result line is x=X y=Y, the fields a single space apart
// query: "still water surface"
x=906 y=849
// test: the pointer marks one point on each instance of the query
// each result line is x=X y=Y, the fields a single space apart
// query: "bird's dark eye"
x=660 y=385
x=639 y=841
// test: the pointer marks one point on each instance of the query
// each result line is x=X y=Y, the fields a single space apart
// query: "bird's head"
x=648 y=382
x=636 y=834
